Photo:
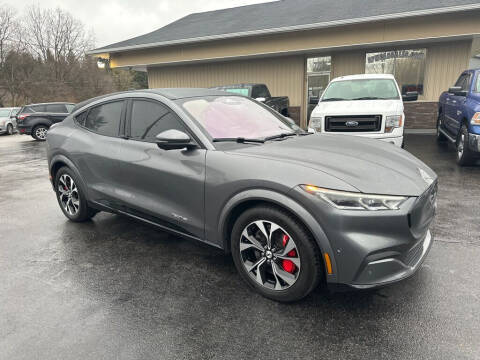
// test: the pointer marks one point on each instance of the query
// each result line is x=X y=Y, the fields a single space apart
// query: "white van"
x=369 y=105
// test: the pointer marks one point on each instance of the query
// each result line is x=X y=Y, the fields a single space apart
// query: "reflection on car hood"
x=369 y=165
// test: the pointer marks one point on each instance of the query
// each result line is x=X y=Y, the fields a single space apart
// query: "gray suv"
x=294 y=209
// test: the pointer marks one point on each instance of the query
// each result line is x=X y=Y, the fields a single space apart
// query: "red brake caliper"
x=288 y=265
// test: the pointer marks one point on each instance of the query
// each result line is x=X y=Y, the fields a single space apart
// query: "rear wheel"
x=39 y=132
x=275 y=254
x=10 y=129
x=465 y=156
x=70 y=196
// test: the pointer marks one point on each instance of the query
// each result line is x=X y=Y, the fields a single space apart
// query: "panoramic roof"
x=282 y=16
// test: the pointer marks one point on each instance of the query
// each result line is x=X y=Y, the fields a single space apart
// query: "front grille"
x=356 y=123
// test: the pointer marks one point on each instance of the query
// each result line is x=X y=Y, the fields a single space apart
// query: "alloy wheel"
x=41 y=133
x=269 y=255
x=68 y=194
x=9 y=129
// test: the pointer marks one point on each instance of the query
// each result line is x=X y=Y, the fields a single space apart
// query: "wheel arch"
x=247 y=199
x=59 y=161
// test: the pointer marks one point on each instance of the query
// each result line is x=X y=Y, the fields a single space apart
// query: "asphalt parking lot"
x=115 y=288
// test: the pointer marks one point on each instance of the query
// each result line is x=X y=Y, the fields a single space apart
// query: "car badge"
x=351 y=123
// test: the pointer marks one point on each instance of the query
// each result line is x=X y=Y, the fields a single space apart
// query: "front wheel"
x=70 y=196
x=10 y=129
x=465 y=156
x=275 y=254
x=40 y=132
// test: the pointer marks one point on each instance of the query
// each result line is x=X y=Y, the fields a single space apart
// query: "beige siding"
x=283 y=76
x=348 y=63
x=445 y=62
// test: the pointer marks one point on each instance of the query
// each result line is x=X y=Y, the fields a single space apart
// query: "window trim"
x=128 y=121
x=122 y=117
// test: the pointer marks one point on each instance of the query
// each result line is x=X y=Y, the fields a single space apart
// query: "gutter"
x=286 y=29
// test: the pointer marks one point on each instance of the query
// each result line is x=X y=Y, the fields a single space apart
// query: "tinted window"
x=151 y=118
x=80 y=119
x=463 y=81
x=260 y=91
x=477 y=84
x=57 y=108
x=105 y=119
x=33 y=109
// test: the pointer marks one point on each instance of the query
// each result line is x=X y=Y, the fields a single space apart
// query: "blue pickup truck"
x=459 y=117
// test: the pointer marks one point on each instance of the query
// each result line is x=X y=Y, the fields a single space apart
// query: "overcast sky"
x=117 y=20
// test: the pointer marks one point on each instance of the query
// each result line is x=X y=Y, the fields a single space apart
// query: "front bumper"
x=389 y=270
x=397 y=141
x=474 y=142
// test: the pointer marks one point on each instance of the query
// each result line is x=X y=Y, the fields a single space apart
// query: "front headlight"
x=392 y=122
x=356 y=201
x=475 y=119
x=316 y=123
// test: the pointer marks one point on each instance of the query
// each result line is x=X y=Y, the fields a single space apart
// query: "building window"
x=408 y=67
x=318 y=77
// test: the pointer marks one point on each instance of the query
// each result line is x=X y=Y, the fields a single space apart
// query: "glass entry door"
x=316 y=84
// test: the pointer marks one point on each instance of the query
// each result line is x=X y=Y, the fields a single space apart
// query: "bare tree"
x=8 y=27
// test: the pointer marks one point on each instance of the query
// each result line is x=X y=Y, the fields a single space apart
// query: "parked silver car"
x=8 y=123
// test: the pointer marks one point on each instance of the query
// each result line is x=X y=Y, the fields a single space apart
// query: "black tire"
x=311 y=270
x=441 y=138
x=465 y=156
x=84 y=212
x=9 y=129
x=39 y=132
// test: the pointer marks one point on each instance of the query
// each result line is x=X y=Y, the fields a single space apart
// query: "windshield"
x=235 y=117
x=4 y=113
x=362 y=89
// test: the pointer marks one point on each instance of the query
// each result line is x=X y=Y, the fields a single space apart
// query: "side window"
x=477 y=84
x=150 y=118
x=35 y=109
x=260 y=91
x=69 y=107
x=463 y=81
x=57 y=108
x=80 y=118
x=105 y=119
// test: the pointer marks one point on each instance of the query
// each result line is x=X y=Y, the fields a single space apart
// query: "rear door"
x=167 y=186
x=99 y=153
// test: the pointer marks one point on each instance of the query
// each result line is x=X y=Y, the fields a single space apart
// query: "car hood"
x=369 y=165
x=358 y=107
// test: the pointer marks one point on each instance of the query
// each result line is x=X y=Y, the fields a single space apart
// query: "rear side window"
x=33 y=109
x=105 y=119
x=80 y=119
x=150 y=118
x=69 y=107
x=57 y=108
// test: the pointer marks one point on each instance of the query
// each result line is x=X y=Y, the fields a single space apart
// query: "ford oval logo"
x=351 y=123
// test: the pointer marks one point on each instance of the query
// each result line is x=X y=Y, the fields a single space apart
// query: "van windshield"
x=361 y=89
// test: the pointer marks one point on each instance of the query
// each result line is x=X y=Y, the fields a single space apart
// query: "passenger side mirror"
x=410 y=96
x=457 y=90
x=174 y=140
x=261 y=99
x=313 y=100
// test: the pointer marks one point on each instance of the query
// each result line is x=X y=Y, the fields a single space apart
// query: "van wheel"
x=275 y=254
x=465 y=156
x=39 y=132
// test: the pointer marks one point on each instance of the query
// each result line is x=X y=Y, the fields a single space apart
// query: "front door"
x=166 y=186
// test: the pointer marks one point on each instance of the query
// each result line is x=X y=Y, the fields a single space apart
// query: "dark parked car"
x=293 y=208
x=36 y=119
x=260 y=93
x=459 y=117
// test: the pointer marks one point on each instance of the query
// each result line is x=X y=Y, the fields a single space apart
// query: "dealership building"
x=296 y=47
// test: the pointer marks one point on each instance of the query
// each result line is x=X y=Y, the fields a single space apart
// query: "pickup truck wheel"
x=441 y=138
x=39 y=132
x=465 y=156
x=9 y=129
x=275 y=254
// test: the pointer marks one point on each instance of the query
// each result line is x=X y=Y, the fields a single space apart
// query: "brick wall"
x=421 y=114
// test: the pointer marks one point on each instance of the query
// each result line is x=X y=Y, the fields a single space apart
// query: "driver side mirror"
x=410 y=96
x=174 y=140
x=457 y=90
x=313 y=100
